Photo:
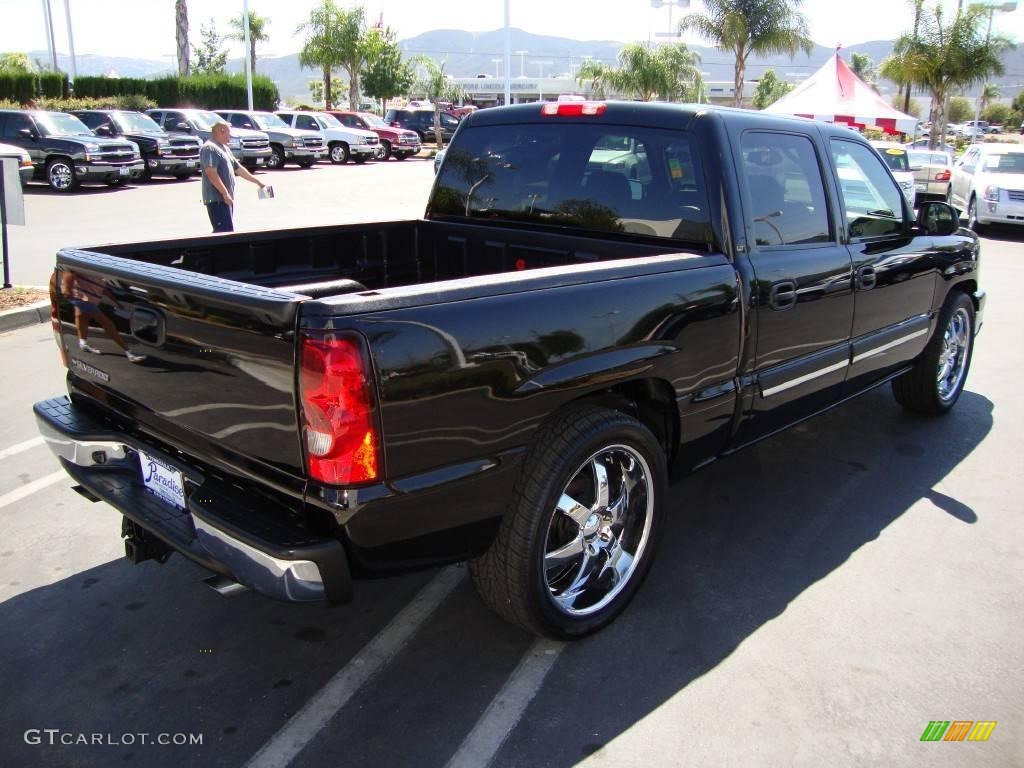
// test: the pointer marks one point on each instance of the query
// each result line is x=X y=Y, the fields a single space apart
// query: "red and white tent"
x=834 y=94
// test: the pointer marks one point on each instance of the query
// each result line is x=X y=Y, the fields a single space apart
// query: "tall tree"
x=257 y=32
x=181 y=35
x=670 y=72
x=952 y=55
x=989 y=93
x=864 y=68
x=743 y=27
x=321 y=49
x=211 y=57
x=352 y=49
x=770 y=89
x=386 y=73
x=15 y=62
x=436 y=86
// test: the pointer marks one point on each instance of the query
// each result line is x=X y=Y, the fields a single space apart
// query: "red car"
x=394 y=142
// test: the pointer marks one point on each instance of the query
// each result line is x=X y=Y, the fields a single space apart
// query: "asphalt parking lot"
x=817 y=599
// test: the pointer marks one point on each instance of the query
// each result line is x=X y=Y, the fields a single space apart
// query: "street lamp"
x=540 y=82
x=496 y=63
x=670 y=3
x=1006 y=7
x=522 y=62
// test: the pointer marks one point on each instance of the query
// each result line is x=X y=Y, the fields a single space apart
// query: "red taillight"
x=574 y=108
x=55 y=318
x=943 y=176
x=339 y=410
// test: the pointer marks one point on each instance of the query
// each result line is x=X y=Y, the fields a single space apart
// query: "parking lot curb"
x=22 y=317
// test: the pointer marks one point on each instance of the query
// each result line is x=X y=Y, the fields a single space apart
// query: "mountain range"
x=467 y=54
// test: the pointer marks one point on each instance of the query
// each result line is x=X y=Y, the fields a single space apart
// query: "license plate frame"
x=123 y=171
x=163 y=481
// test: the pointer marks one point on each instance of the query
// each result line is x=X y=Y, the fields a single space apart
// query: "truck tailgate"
x=218 y=373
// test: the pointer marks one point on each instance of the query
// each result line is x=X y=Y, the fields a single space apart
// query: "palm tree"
x=257 y=32
x=353 y=49
x=743 y=27
x=322 y=47
x=952 y=56
x=864 y=68
x=989 y=92
x=671 y=72
x=436 y=86
x=181 y=35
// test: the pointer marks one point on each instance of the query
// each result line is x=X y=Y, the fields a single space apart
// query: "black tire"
x=972 y=217
x=923 y=389
x=60 y=174
x=563 y=462
x=339 y=153
x=276 y=159
x=385 y=150
x=402 y=156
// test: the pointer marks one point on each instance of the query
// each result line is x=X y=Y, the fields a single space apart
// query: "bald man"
x=219 y=170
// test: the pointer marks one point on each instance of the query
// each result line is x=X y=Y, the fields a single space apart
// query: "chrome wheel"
x=276 y=159
x=61 y=176
x=339 y=154
x=956 y=343
x=599 y=530
x=972 y=214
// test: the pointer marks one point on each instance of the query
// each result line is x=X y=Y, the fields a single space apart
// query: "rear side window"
x=787 y=196
x=873 y=202
x=587 y=177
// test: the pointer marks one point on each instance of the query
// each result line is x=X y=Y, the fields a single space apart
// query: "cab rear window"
x=643 y=181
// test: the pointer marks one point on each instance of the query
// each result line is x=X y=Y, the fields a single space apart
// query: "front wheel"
x=972 y=217
x=938 y=377
x=384 y=152
x=60 y=175
x=580 y=531
x=276 y=159
x=339 y=153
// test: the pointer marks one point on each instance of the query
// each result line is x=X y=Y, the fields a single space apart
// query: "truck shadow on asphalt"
x=121 y=649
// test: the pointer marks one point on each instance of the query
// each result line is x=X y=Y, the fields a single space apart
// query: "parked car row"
x=116 y=146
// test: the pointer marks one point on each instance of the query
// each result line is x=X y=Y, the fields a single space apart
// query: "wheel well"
x=969 y=287
x=51 y=158
x=652 y=402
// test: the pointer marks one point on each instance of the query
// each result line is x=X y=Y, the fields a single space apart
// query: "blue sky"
x=145 y=28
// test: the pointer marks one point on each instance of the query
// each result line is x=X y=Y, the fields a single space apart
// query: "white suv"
x=895 y=156
x=342 y=142
x=988 y=182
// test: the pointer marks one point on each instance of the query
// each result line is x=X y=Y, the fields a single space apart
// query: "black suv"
x=65 y=152
x=422 y=121
x=163 y=155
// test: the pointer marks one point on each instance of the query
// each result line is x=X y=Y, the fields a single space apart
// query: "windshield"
x=896 y=159
x=328 y=121
x=556 y=176
x=373 y=120
x=1011 y=162
x=205 y=120
x=269 y=121
x=133 y=122
x=59 y=124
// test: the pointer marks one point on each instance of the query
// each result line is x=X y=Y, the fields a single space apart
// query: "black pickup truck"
x=600 y=298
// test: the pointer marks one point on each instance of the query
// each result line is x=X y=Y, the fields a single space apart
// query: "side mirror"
x=103 y=130
x=183 y=127
x=27 y=133
x=917 y=168
x=935 y=218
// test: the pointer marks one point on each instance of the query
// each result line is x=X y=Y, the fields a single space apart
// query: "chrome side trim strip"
x=806 y=377
x=890 y=345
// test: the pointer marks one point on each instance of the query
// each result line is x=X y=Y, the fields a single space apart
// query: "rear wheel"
x=339 y=153
x=60 y=174
x=938 y=377
x=580 y=531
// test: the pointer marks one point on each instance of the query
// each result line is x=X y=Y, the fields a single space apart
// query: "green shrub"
x=98 y=87
x=131 y=101
x=213 y=92
x=24 y=87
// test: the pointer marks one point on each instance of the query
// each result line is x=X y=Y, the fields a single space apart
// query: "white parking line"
x=29 y=488
x=483 y=742
x=15 y=449
x=308 y=721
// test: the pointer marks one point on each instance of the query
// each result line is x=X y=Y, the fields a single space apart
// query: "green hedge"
x=204 y=91
x=23 y=87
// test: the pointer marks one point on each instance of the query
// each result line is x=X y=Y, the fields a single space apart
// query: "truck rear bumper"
x=256 y=546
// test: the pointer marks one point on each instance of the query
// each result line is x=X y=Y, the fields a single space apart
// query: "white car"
x=343 y=143
x=25 y=168
x=895 y=156
x=988 y=183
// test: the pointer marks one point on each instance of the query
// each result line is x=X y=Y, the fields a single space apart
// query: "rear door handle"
x=866 y=278
x=782 y=295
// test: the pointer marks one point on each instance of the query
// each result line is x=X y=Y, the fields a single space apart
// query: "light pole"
x=522 y=62
x=245 y=53
x=540 y=81
x=71 y=41
x=670 y=3
x=508 y=57
x=1006 y=7
x=496 y=63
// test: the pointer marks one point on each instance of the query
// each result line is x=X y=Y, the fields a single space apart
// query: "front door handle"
x=866 y=278
x=782 y=295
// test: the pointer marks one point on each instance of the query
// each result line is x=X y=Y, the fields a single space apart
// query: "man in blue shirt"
x=219 y=170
